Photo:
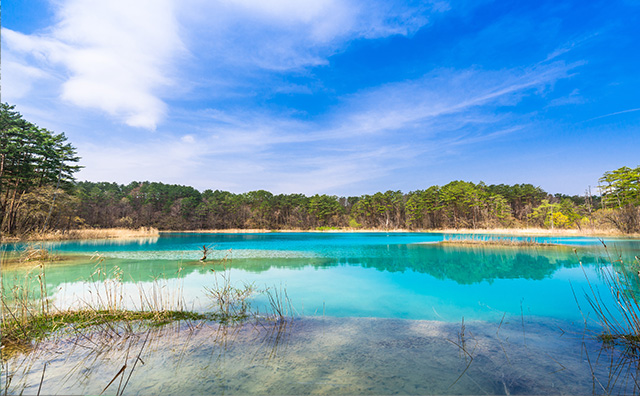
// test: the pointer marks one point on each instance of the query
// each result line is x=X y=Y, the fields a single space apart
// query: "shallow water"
x=375 y=313
x=331 y=356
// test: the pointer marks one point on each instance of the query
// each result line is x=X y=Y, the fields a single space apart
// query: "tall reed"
x=231 y=301
x=620 y=321
x=619 y=317
x=28 y=315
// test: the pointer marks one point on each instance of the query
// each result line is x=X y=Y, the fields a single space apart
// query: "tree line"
x=38 y=192
x=458 y=204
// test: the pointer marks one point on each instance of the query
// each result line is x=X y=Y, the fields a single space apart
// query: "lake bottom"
x=324 y=355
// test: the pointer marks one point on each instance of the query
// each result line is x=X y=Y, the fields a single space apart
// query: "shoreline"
x=86 y=234
x=147 y=232
x=461 y=231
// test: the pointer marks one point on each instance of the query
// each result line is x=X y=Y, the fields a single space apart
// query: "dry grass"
x=621 y=321
x=93 y=233
x=492 y=241
x=263 y=231
x=229 y=231
x=36 y=253
x=28 y=315
x=231 y=301
x=489 y=231
x=536 y=231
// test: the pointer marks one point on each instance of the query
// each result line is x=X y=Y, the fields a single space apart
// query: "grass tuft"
x=16 y=333
x=27 y=316
x=37 y=253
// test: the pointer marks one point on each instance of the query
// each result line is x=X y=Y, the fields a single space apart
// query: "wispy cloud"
x=573 y=98
x=613 y=114
x=367 y=137
x=115 y=55
x=287 y=34
x=412 y=106
x=23 y=76
x=128 y=58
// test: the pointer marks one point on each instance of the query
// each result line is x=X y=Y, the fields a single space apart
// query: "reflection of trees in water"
x=464 y=265
x=467 y=267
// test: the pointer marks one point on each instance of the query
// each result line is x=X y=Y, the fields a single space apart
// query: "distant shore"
x=539 y=232
x=466 y=231
x=149 y=232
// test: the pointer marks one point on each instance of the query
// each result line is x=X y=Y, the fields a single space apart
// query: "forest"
x=457 y=204
x=38 y=192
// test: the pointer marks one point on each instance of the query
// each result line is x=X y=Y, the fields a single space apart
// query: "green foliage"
x=543 y=214
x=326 y=228
x=455 y=205
x=381 y=210
x=558 y=219
x=620 y=187
x=325 y=209
x=564 y=214
x=499 y=208
x=31 y=158
x=421 y=208
x=521 y=197
x=621 y=198
x=461 y=203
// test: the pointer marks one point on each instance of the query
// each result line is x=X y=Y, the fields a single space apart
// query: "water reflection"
x=468 y=265
x=463 y=265
x=413 y=281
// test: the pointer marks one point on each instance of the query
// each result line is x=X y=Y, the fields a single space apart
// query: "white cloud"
x=418 y=107
x=370 y=136
x=289 y=11
x=126 y=58
x=188 y=139
x=115 y=55
x=22 y=78
x=288 y=34
x=168 y=159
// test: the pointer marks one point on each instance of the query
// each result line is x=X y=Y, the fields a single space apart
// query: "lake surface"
x=383 y=284
x=379 y=275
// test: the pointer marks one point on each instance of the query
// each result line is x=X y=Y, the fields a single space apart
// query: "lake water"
x=362 y=302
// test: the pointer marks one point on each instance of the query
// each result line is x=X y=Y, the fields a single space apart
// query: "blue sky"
x=339 y=97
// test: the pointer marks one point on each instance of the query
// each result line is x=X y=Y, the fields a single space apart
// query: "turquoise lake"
x=373 y=313
x=379 y=275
